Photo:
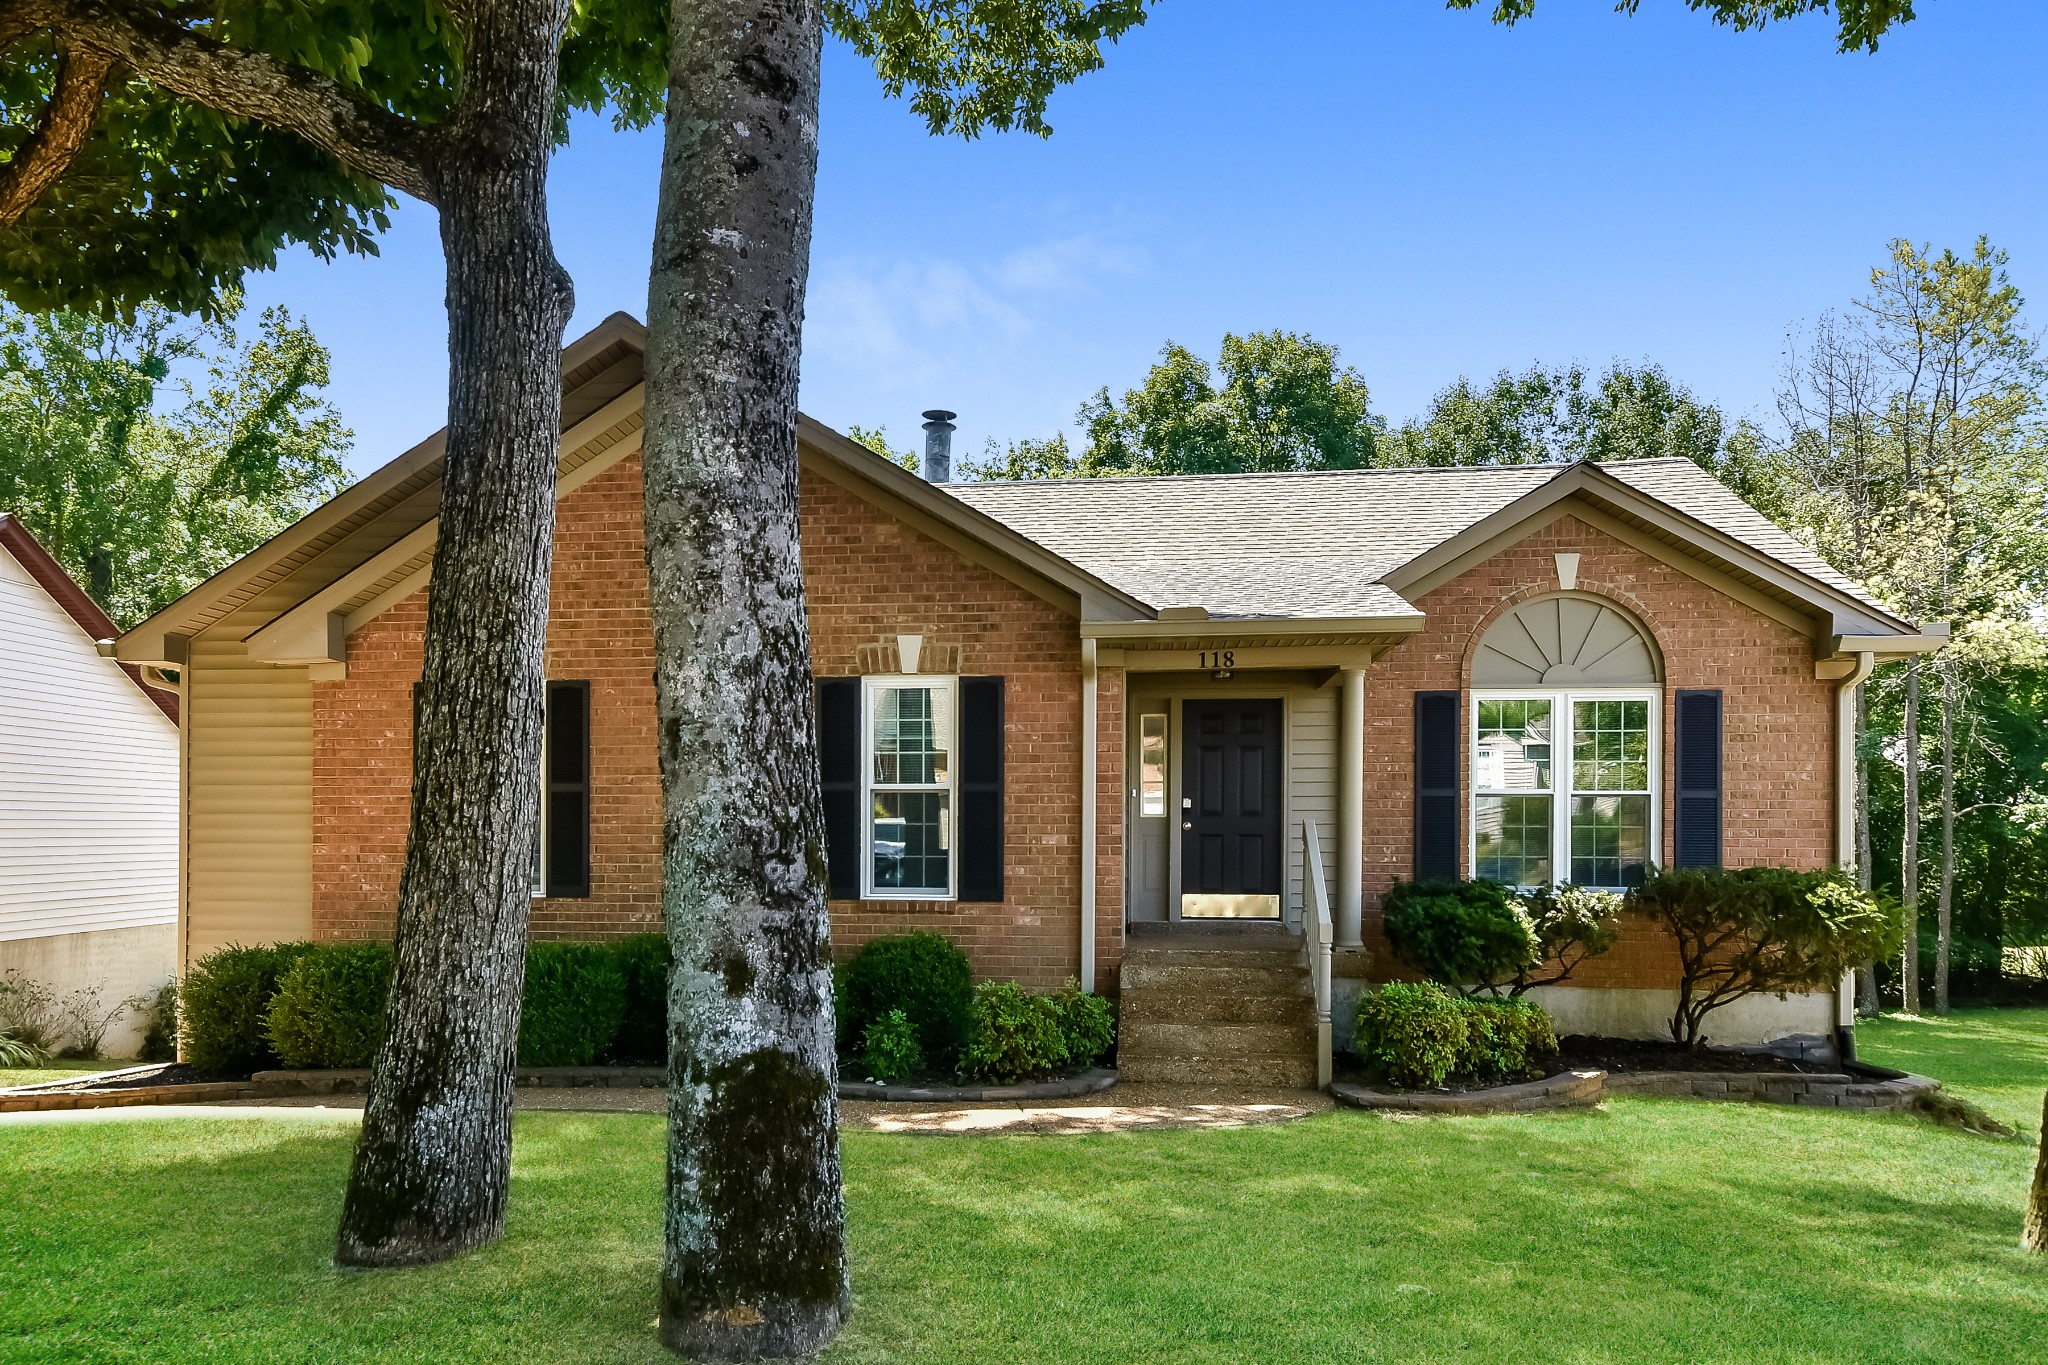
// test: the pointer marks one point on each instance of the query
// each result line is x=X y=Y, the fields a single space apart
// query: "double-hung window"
x=910 y=739
x=1563 y=786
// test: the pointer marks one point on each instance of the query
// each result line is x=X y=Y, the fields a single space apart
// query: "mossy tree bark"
x=2035 y=1237
x=754 y=1262
x=432 y=1164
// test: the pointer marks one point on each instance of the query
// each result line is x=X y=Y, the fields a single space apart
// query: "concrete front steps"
x=1223 y=1006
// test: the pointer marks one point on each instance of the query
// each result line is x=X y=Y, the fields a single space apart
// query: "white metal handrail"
x=1317 y=935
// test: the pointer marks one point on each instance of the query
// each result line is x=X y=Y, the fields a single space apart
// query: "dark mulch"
x=1630 y=1054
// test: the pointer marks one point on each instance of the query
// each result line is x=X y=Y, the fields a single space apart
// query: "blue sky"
x=1436 y=196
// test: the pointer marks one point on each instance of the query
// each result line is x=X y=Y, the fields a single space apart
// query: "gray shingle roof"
x=1317 y=544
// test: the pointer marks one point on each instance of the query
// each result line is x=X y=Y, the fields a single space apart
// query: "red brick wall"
x=869 y=578
x=1778 y=727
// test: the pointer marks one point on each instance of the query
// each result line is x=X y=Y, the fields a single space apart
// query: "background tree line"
x=1909 y=446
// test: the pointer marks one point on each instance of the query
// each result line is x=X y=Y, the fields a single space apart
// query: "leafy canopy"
x=1860 y=23
x=147 y=455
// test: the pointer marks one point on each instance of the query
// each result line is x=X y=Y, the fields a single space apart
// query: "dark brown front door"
x=1231 y=835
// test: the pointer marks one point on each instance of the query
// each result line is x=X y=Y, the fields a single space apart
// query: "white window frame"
x=1561 y=790
x=870 y=684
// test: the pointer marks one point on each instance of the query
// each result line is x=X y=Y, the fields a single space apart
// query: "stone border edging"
x=203 y=1092
x=1833 y=1090
x=1567 y=1090
x=1065 y=1087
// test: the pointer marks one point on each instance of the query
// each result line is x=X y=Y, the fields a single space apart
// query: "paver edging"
x=1829 y=1090
x=1063 y=1088
x=1567 y=1090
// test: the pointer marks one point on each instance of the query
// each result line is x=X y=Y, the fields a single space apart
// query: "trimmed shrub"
x=1505 y=1039
x=1760 y=930
x=160 y=1025
x=329 y=1006
x=889 y=1049
x=1087 y=1025
x=223 y=1002
x=1413 y=1033
x=1572 y=923
x=923 y=975
x=1466 y=934
x=643 y=1034
x=1016 y=1035
x=575 y=999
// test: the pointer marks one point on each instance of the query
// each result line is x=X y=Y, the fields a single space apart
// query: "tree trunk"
x=1944 y=905
x=755 y=1260
x=1867 y=1003
x=432 y=1164
x=2035 y=1238
x=1909 y=848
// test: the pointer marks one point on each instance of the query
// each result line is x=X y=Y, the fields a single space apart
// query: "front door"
x=1230 y=810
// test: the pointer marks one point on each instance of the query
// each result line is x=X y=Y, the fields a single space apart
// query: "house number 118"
x=1221 y=658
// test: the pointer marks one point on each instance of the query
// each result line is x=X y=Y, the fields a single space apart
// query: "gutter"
x=1845 y=830
x=1090 y=758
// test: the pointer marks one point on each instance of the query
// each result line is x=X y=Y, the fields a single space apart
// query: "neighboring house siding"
x=869 y=577
x=88 y=780
x=1779 y=736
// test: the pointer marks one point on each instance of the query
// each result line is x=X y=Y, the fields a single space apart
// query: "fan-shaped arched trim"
x=1567 y=639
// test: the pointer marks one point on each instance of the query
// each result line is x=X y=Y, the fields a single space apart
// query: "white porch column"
x=1090 y=760
x=1351 y=812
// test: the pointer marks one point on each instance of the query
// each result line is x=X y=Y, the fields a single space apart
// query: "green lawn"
x=1657 y=1231
x=1999 y=1058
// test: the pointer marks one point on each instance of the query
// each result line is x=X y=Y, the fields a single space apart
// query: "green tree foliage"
x=148 y=454
x=1859 y=23
x=1555 y=415
x=1274 y=401
x=877 y=440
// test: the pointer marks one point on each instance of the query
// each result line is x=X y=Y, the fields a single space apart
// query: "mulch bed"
x=1632 y=1054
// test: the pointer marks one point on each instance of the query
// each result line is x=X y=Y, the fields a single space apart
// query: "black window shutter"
x=567 y=789
x=839 y=761
x=1699 y=777
x=981 y=789
x=1438 y=741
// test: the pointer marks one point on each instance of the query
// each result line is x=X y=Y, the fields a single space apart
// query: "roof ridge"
x=1249 y=474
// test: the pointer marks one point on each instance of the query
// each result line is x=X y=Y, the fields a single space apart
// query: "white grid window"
x=1564 y=786
x=910 y=740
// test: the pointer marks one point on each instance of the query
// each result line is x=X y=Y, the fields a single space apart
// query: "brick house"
x=1061 y=718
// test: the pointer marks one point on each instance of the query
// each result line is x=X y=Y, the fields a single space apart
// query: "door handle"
x=1187 y=824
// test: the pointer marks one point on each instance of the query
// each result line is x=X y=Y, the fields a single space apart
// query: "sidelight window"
x=1563 y=787
x=909 y=787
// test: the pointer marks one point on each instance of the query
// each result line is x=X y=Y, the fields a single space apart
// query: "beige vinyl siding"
x=1312 y=784
x=88 y=779
x=250 y=824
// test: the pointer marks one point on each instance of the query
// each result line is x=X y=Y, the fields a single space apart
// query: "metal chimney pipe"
x=938 y=446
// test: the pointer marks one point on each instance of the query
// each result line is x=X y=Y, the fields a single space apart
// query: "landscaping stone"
x=1567 y=1090
x=1865 y=1088
x=1065 y=1087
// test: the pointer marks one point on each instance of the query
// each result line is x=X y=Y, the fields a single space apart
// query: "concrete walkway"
x=1124 y=1108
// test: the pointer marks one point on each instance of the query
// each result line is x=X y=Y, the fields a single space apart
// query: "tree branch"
x=358 y=132
x=48 y=153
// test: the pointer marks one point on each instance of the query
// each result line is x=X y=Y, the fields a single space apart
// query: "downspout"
x=1845 y=831
x=154 y=676
x=1089 y=760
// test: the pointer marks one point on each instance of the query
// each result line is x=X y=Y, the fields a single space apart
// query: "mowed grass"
x=1999 y=1058
x=1657 y=1231
x=54 y=1070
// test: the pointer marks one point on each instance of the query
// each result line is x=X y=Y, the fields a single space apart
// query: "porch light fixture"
x=1221 y=675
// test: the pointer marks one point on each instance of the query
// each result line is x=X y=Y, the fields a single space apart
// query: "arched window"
x=1566 y=695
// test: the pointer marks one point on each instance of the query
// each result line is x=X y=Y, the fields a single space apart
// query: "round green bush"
x=1016 y=1035
x=1087 y=1025
x=222 y=1003
x=1460 y=933
x=329 y=1006
x=574 y=1001
x=643 y=1034
x=923 y=975
x=1413 y=1033
x=889 y=1050
x=1505 y=1039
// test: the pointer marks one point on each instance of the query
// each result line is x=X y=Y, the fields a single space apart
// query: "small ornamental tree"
x=1759 y=930
x=1572 y=923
